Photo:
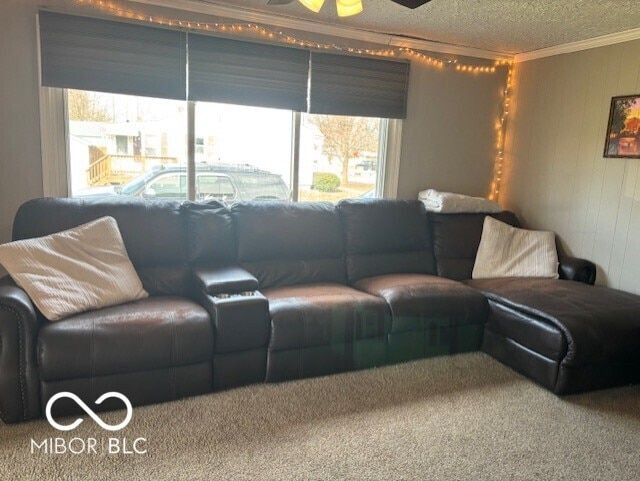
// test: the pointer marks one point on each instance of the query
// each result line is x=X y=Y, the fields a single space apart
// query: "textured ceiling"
x=508 y=26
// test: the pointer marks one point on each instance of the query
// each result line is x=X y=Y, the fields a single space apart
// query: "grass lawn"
x=345 y=191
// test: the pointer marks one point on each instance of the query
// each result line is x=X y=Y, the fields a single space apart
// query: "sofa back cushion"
x=153 y=233
x=283 y=243
x=385 y=237
x=211 y=237
x=456 y=238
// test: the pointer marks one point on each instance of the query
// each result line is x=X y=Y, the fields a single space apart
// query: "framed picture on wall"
x=623 y=130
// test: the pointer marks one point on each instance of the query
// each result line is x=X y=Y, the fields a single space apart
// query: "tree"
x=345 y=137
x=86 y=106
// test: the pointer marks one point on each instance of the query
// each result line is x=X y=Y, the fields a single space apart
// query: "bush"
x=326 y=181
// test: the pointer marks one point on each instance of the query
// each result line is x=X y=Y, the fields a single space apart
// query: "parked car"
x=367 y=165
x=226 y=182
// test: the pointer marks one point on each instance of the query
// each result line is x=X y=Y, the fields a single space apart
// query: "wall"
x=557 y=178
x=20 y=161
x=447 y=138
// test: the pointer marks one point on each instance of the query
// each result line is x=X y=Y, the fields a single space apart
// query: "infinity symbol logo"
x=87 y=409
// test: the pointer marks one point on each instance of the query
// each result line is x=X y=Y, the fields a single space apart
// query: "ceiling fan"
x=345 y=7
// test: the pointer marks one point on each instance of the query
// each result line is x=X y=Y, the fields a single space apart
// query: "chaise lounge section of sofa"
x=566 y=334
x=271 y=291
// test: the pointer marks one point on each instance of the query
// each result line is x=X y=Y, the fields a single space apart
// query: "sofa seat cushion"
x=323 y=314
x=418 y=301
x=599 y=325
x=153 y=333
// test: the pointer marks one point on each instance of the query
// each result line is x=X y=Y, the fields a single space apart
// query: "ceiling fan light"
x=347 y=8
x=313 y=5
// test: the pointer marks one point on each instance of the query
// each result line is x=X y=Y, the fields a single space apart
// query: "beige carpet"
x=464 y=417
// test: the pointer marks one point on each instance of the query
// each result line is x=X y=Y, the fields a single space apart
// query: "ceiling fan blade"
x=279 y=2
x=411 y=3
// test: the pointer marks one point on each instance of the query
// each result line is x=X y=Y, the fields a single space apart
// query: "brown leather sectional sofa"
x=274 y=291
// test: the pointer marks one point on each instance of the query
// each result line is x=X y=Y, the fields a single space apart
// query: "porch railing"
x=113 y=169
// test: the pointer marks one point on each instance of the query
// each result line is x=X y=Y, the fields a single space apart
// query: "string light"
x=261 y=31
x=501 y=126
x=246 y=29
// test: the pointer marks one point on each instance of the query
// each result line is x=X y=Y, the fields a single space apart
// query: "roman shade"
x=358 y=86
x=108 y=56
x=247 y=73
x=127 y=58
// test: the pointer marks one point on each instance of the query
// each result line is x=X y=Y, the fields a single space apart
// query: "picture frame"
x=623 y=128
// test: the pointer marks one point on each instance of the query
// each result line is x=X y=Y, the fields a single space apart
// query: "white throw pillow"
x=73 y=271
x=506 y=251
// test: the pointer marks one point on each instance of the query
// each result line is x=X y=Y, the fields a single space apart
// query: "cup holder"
x=226 y=295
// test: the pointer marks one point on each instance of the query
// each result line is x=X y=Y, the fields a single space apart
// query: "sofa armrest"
x=19 y=326
x=575 y=269
x=241 y=322
x=224 y=280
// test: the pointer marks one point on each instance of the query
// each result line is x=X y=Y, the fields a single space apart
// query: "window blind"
x=247 y=73
x=358 y=86
x=108 y=56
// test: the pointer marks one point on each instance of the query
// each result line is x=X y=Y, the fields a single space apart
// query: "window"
x=127 y=145
x=338 y=157
x=212 y=186
x=166 y=186
x=252 y=146
x=122 y=144
x=102 y=126
x=151 y=145
x=199 y=146
x=238 y=105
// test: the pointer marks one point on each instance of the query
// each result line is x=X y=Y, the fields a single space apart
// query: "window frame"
x=56 y=176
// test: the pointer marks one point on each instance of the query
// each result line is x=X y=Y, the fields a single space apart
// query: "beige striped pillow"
x=73 y=271
x=506 y=251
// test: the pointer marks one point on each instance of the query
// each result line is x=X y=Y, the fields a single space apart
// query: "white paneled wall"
x=557 y=178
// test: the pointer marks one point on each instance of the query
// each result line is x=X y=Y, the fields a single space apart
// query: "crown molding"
x=252 y=16
x=417 y=44
x=602 y=41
